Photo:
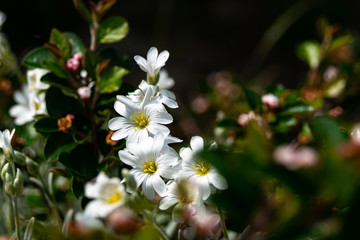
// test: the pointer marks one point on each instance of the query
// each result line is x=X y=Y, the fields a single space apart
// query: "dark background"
x=201 y=36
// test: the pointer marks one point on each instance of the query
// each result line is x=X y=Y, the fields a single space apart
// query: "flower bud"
x=84 y=92
x=18 y=184
x=108 y=139
x=32 y=167
x=64 y=123
x=9 y=154
x=5 y=169
x=243 y=120
x=77 y=56
x=355 y=135
x=124 y=221
x=270 y=100
x=20 y=158
x=73 y=64
x=9 y=188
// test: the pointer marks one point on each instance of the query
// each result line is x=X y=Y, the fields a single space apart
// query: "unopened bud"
x=5 y=169
x=18 y=183
x=124 y=221
x=64 y=123
x=152 y=80
x=9 y=155
x=84 y=92
x=20 y=158
x=73 y=64
x=270 y=100
x=355 y=135
x=78 y=56
x=9 y=188
x=32 y=167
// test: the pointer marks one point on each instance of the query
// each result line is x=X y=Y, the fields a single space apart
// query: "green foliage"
x=111 y=79
x=59 y=104
x=112 y=29
x=55 y=81
x=61 y=41
x=36 y=57
x=56 y=144
x=77 y=46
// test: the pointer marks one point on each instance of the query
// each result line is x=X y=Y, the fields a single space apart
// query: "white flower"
x=185 y=196
x=88 y=222
x=199 y=171
x=28 y=105
x=108 y=194
x=151 y=160
x=33 y=78
x=153 y=63
x=139 y=121
x=165 y=82
x=164 y=96
x=5 y=140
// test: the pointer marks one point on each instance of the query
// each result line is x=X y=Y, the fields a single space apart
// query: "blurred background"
x=252 y=40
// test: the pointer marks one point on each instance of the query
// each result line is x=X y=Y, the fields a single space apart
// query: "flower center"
x=202 y=168
x=37 y=106
x=116 y=197
x=110 y=194
x=150 y=167
x=141 y=120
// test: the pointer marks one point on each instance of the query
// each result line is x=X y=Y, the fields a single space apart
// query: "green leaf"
x=59 y=105
x=59 y=39
x=56 y=81
x=83 y=10
x=46 y=125
x=36 y=57
x=253 y=99
x=297 y=109
x=309 y=51
x=58 y=143
x=56 y=68
x=111 y=79
x=122 y=61
x=77 y=45
x=285 y=124
x=112 y=29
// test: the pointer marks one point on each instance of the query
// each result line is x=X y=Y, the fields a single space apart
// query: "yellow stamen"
x=202 y=168
x=150 y=167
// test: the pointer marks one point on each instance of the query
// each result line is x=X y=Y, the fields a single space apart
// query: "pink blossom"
x=292 y=158
x=84 y=92
x=72 y=64
x=270 y=101
x=77 y=56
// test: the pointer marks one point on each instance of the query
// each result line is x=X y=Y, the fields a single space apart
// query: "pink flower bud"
x=72 y=64
x=78 y=56
x=84 y=92
x=270 y=100
x=243 y=120
x=292 y=158
x=71 y=116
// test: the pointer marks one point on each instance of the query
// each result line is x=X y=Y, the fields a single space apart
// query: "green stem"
x=16 y=217
x=149 y=217
x=11 y=216
x=52 y=203
x=223 y=225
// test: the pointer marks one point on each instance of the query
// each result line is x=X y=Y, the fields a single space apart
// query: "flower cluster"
x=184 y=180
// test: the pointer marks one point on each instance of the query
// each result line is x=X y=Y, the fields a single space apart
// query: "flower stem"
x=223 y=225
x=16 y=217
x=11 y=215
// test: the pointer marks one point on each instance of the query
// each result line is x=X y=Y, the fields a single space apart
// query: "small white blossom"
x=28 y=105
x=164 y=96
x=202 y=173
x=186 y=197
x=139 y=121
x=5 y=140
x=108 y=194
x=33 y=79
x=153 y=63
x=165 y=81
x=152 y=160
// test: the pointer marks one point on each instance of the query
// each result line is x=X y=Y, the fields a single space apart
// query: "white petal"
x=142 y=63
x=186 y=153
x=158 y=143
x=204 y=187
x=167 y=202
x=127 y=158
x=159 y=185
x=217 y=180
x=152 y=54
x=197 y=144
x=97 y=208
x=157 y=128
x=162 y=118
x=162 y=58
x=148 y=189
